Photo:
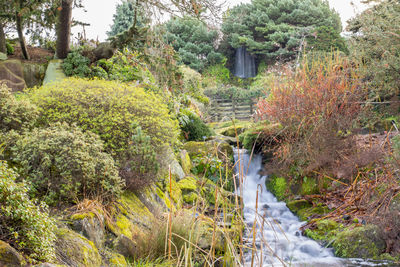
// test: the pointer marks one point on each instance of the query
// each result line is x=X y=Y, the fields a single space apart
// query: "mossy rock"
x=129 y=216
x=185 y=162
x=189 y=184
x=325 y=230
x=12 y=74
x=9 y=256
x=90 y=226
x=73 y=249
x=307 y=212
x=277 y=186
x=309 y=186
x=361 y=242
x=190 y=198
x=297 y=205
x=230 y=131
x=117 y=260
x=221 y=149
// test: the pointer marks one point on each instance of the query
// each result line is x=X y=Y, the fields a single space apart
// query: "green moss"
x=75 y=250
x=278 y=186
x=361 y=242
x=297 y=205
x=309 y=186
x=81 y=216
x=185 y=162
x=305 y=213
x=188 y=184
x=325 y=230
x=9 y=256
x=190 y=198
x=130 y=203
x=196 y=148
x=117 y=260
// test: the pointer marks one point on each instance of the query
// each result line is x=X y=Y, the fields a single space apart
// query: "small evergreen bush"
x=141 y=165
x=193 y=128
x=76 y=65
x=64 y=164
x=15 y=114
x=24 y=224
x=109 y=109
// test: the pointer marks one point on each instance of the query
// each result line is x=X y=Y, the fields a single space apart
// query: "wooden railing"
x=240 y=109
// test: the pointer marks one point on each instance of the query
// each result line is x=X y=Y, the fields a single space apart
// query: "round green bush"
x=76 y=65
x=110 y=109
x=24 y=224
x=15 y=114
x=193 y=128
x=64 y=164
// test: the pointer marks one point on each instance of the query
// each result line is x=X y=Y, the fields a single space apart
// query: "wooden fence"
x=240 y=109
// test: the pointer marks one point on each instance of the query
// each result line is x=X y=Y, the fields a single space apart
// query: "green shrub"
x=23 y=223
x=15 y=114
x=10 y=48
x=216 y=75
x=193 y=128
x=232 y=92
x=109 y=109
x=76 y=65
x=124 y=67
x=140 y=164
x=64 y=164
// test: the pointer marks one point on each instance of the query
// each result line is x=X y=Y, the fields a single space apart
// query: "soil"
x=38 y=55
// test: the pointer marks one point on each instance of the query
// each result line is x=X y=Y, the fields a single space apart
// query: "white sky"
x=100 y=14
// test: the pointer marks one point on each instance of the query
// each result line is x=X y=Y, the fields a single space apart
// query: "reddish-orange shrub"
x=317 y=105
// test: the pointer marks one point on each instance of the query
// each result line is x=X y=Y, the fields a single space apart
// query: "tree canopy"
x=375 y=42
x=275 y=29
x=194 y=42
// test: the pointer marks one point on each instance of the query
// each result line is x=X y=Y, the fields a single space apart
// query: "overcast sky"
x=100 y=14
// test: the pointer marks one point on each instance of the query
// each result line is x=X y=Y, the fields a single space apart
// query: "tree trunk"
x=21 y=37
x=64 y=29
x=3 y=47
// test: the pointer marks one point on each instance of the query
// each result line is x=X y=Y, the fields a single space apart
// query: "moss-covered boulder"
x=9 y=256
x=185 y=162
x=361 y=242
x=309 y=186
x=325 y=230
x=168 y=160
x=298 y=204
x=129 y=216
x=73 y=249
x=11 y=73
x=189 y=187
x=277 y=186
x=117 y=260
x=91 y=226
x=221 y=149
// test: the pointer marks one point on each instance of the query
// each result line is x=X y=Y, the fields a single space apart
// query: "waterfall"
x=278 y=239
x=245 y=66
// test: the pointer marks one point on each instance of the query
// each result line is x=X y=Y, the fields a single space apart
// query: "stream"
x=278 y=240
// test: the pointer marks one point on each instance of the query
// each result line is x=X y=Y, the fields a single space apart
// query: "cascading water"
x=245 y=66
x=278 y=238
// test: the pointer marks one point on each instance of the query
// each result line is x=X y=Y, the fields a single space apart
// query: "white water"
x=278 y=240
x=245 y=66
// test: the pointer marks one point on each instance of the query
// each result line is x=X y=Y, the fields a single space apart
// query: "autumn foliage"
x=317 y=105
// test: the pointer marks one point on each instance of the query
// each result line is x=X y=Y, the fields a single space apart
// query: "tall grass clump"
x=318 y=105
